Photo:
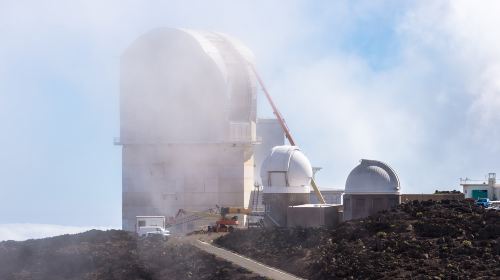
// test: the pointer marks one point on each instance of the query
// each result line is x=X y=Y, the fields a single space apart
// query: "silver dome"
x=372 y=177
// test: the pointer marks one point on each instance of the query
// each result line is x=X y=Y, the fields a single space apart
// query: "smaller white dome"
x=286 y=169
x=372 y=177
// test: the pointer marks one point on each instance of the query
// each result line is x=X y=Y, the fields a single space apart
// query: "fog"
x=21 y=232
x=414 y=85
x=187 y=109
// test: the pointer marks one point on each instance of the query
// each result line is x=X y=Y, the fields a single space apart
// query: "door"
x=477 y=194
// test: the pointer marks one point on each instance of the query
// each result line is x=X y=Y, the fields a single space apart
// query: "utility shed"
x=314 y=215
x=481 y=188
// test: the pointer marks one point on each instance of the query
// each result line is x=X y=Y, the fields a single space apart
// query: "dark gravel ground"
x=416 y=240
x=110 y=254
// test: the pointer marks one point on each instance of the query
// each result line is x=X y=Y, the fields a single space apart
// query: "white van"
x=147 y=221
x=147 y=231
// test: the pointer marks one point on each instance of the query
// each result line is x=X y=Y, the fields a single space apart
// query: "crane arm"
x=276 y=112
x=285 y=128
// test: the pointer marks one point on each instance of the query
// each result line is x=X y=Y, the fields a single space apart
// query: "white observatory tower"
x=372 y=186
x=286 y=176
x=188 y=115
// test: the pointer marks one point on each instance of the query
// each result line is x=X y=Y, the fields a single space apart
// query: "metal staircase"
x=256 y=218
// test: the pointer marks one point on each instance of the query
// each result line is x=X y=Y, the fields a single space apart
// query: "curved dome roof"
x=289 y=162
x=185 y=86
x=372 y=177
x=231 y=57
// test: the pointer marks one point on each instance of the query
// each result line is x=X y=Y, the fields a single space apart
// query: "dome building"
x=286 y=175
x=371 y=186
x=187 y=123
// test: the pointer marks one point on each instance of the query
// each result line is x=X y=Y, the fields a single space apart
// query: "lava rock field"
x=110 y=254
x=415 y=240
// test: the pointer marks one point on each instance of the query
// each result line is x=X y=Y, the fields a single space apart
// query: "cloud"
x=343 y=111
x=20 y=232
x=431 y=112
x=460 y=35
x=59 y=82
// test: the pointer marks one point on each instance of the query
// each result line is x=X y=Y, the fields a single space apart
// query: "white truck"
x=151 y=226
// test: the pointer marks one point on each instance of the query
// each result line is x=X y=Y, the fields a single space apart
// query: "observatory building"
x=371 y=186
x=286 y=176
x=188 y=124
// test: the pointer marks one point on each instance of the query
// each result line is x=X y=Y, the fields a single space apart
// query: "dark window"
x=142 y=223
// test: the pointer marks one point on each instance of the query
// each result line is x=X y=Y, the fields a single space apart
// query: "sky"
x=415 y=84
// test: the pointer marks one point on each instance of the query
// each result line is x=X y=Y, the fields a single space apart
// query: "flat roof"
x=479 y=185
x=331 y=190
x=268 y=120
x=316 y=205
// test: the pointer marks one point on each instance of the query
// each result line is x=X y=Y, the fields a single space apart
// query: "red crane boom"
x=285 y=128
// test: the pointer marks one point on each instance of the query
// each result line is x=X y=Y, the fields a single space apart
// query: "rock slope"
x=110 y=255
x=416 y=240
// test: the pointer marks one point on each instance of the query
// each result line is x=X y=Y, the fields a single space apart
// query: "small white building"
x=481 y=188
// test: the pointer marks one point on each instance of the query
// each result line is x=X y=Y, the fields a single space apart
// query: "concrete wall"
x=269 y=135
x=358 y=206
x=330 y=196
x=437 y=197
x=276 y=205
x=156 y=182
x=314 y=216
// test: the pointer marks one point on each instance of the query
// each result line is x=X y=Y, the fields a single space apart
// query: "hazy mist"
x=414 y=85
